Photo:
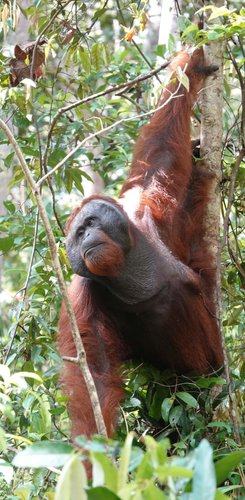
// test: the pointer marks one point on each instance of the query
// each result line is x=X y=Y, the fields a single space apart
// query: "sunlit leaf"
x=72 y=481
x=44 y=454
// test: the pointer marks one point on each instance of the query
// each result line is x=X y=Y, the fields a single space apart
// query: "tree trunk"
x=211 y=149
x=211 y=153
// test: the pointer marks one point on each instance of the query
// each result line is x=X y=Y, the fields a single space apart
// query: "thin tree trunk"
x=211 y=153
x=211 y=149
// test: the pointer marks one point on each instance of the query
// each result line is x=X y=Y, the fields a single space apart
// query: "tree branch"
x=81 y=355
x=113 y=125
x=109 y=90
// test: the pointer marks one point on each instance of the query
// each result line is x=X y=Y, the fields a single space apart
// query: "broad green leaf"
x=204 y=481
x=101 y=493
x=72 y=481
x=6 y=244
x=166 y=407
x=14 y=379
x=152 y=492
x=227 y=464
x=189 y=29
x=220 y=11
x=56 y=156
x=96 y=55
x=44 y=454
x=175 y=415
x=85 y=59
x=213 y=35
x=211 y=381
x=104 y=472
x=16 y=179
x=10 y=206
x=188 y=399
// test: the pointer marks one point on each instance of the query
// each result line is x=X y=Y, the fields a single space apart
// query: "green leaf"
x=124 y=461
x=8 y=159
x=204 y=480
x=3 y=442
x=220 y=11
x=188 y=399
x=85 y=59
x=165 y=471
x=152 y=492
x=10 y=206
x=30 y=151
x=44 y=407
x=145 y=469
x=23 y=492
x=189 y=29
x=220 y=496
x=96 y=55
x=213 y=35
x=17 y=177
x=72 y=481
x=56 y=156
x=6 y=244
x=101 y=493
x=44 y=454
x=157 y=450
x=166 y=407
x=104 y=472
x=175 y=415
x=227 y=464
x=98 y=13
x=221 y=425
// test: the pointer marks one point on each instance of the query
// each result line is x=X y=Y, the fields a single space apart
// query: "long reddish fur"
x=176 y=195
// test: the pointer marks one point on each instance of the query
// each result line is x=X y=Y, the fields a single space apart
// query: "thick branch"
x=81 y=355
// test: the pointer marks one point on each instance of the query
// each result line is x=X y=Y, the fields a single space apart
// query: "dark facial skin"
x=97 y=231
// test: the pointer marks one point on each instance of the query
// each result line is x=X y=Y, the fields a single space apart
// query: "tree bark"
x=211 y=154
x=211 y=149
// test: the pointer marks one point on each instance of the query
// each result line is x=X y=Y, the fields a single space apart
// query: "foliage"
x=90 y=47
x=128 y=472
